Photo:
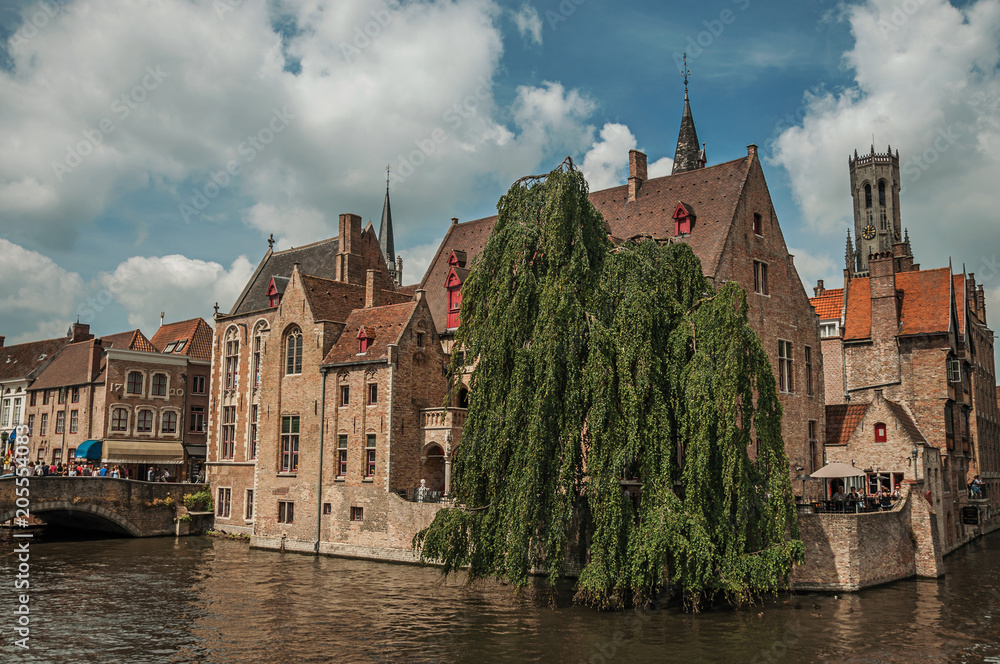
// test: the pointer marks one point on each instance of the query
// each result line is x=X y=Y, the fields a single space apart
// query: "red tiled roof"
x=712 y=193
x=132 y=340
x=842 y=420
x=858 y=312
x=926 y=301
x=383 y=325
x=27 y=360
x=829 y=304
x=68 y=368
x=196 y=332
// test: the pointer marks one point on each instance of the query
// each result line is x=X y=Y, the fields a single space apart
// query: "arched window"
x=159 y=385
x=258 y=347
x=232 y=355
x=868 y=195
x=168 y=422
x=463 y=398
x=144 y=421
x=134 y=382
x=881 y=193
x=293 y=352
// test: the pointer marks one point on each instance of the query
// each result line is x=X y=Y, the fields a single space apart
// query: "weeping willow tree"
x=596 y=365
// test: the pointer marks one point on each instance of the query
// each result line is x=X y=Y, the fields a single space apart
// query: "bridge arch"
x=65 y=512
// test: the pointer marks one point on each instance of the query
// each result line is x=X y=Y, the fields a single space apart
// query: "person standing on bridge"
x=151 y=474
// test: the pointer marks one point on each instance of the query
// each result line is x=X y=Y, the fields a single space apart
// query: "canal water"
x=197 y=599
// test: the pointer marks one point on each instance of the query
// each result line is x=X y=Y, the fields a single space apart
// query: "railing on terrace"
x=854 y=506
x=978 y=492
x=442 y=418
x=414 y=496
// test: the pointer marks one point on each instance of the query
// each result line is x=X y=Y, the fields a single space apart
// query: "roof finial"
x=270 y=241
x=686 y=72
x=387 y=176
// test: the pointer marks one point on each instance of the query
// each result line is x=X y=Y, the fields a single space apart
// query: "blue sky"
x=181 y=87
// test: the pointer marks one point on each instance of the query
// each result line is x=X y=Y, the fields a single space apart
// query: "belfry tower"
x=875 y=189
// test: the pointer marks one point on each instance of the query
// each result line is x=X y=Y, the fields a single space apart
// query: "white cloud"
x=927 y=83
x=36 y=291
x=416 y=259
x=660 y=167
x=606 y=163
x=812 y=267
x=294 y=226
x=528 y=23
x=181 y=287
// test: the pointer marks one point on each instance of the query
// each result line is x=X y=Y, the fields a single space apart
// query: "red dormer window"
x=363 y=341
x=683 y=219
x=880 y=436
x=273 y=296
x=457 y=258
x=453 y=284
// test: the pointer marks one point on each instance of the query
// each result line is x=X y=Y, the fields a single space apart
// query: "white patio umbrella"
x=838 y=469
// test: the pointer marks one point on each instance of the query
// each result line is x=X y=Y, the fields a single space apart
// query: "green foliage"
x=199 y=502
x=598 y=364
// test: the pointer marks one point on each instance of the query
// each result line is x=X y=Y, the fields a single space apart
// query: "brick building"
x=724 y=212
x=129 y=395
x=20 y=365
x=918 y=341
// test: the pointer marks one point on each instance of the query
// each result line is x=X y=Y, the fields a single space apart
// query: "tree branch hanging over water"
x=597 y=364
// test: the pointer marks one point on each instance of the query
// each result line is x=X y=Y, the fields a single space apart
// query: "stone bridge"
x=127 y=507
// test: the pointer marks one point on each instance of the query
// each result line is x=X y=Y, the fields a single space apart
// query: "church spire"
x=849 y=254
x=690 y=154
x=385 y=233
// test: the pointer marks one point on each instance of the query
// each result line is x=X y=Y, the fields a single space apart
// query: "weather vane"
x=387 y=175
x=686 y=72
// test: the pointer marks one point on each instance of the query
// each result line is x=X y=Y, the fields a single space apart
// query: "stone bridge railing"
x=140 y=509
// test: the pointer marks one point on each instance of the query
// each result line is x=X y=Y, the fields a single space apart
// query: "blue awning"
x=89 y=449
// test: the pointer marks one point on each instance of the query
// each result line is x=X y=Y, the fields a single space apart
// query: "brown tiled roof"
x=132 y=340
x=197 y=333
x=332 y=300
x=926 y=301
x=408 y=291
x=829 y=304
x=27 y=360
x=318 y=259
x=842 y=420
x=68 y=368
x=386 y=324
x=960 y=300
x=712 y=192
x=858 y=313
x=904 y=418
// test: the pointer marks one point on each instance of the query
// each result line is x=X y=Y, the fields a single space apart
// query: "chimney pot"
x=819 y=289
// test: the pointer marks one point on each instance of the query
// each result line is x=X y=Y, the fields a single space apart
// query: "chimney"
x=95 y=351
x=371 y=290
x=350 y=264
x=162 y=314
x=2 y=337
x=79 y=332
x=818 y=289
x=980 y=305
x=636 y=172
x=454 y=220
x=399 y=270
x=419 y=295
x=752 y=151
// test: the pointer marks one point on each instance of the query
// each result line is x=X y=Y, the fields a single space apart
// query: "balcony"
x=978 y=493
x=442 y=418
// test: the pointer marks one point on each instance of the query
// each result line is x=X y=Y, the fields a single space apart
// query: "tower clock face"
x=868 y=232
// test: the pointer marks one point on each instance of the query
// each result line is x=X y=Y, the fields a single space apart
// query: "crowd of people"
x=88 y=469
x=883 y=499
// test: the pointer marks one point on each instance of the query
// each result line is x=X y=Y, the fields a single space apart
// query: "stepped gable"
x=829 y=304
x=842 y=420
x=196 y=332
x=28 y=360
x=383 y=326
x=317 y=259
x=712 y=193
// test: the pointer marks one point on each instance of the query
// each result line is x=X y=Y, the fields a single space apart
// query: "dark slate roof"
x=900 y=413
x=385 y=233
x=383 y=325
x=68 y=368
x=713 y=191
x=318 y=259
x=196 y=331
x=842 y=420
x=687 y=157
x=27 y=360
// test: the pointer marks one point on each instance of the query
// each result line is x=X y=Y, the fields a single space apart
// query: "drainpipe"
x=319 y=481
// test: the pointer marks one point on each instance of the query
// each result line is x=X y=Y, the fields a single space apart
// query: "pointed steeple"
x=690 y=154
x=849 y=254
x=385 y=233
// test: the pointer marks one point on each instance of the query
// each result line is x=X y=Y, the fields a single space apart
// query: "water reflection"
x=202 y=600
